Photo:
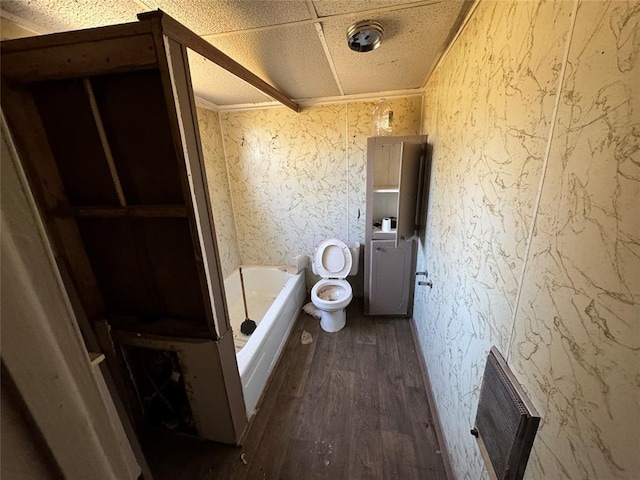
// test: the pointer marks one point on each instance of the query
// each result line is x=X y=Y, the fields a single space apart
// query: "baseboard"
x=446 y=459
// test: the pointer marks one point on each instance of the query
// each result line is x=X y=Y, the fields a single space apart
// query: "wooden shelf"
x=144 y=211
x=378 y=234
x=164 y=327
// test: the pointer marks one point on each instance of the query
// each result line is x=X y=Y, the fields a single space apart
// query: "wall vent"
x=506 y=421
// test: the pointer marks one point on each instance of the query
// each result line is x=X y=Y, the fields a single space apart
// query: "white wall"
x=219 y=193
x=533 y=236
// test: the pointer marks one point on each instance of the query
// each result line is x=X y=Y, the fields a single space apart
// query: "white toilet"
x=334 y=261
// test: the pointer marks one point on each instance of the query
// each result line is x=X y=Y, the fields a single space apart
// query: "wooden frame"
x=79 y=53
x=198 y=358
x=57 y=53
x=155 y=48
x=42 y=341
x=176 y=31
x=183 y=99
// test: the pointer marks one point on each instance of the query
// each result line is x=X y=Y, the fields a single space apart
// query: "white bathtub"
x=274 y=299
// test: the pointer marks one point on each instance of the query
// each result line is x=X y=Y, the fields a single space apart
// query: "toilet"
x=334 y=261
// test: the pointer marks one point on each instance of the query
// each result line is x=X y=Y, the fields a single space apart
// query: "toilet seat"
x=333 y=259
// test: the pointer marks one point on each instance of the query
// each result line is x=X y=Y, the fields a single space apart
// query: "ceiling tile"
x=411 y=44
x=62 y=15
x=215 y=84
x=218 y=16
x=337 y=7
x=10 y=30
x=289 y=58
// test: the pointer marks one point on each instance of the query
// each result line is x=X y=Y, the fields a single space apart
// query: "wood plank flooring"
x=350 y=405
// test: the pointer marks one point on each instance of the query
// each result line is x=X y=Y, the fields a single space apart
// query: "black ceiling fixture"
x=365 y=35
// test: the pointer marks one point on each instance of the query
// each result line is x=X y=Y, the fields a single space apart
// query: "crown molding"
x=312 y=102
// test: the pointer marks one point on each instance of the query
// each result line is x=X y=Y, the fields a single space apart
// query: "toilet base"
x=333 y=321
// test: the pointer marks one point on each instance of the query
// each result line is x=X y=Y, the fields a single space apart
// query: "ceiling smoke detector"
x=365 y=36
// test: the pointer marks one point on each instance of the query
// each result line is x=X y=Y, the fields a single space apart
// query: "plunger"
x=248 y=326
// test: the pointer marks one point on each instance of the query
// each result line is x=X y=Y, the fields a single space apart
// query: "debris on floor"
x=243 y=459
x=311 y=309
x=323 y=448
x=306 y=338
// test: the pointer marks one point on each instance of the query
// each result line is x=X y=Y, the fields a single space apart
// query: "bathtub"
x=274 y=299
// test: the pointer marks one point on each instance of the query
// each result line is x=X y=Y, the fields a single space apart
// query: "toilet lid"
x=333 y=259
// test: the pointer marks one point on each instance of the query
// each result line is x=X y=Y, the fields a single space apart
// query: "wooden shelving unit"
x=105 y=125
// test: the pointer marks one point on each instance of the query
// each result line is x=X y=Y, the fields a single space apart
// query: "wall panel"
x=541 y=263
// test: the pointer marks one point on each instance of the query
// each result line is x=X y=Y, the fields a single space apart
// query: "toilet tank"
x=354 y=247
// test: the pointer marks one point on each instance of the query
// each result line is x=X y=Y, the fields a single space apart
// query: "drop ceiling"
x=297 y=46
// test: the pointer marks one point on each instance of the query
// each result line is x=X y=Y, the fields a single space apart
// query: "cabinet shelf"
x=378 y=234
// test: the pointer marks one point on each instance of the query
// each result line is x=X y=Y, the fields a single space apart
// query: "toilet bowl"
x=334 y=261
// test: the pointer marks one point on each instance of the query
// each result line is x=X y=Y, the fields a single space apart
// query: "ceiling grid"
x=298 y=46
x=325 y=47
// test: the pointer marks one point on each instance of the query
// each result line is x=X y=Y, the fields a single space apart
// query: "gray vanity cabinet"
x=395 y=170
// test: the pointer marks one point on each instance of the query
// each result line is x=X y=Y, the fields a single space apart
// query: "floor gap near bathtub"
x=350 y=404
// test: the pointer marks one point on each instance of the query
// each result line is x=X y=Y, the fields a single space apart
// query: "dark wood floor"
x=350 y=405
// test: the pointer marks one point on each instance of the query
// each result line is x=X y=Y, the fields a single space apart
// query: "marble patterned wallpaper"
x=219 y=193
x=577 y=331
x=533 y=232
x=297 y=179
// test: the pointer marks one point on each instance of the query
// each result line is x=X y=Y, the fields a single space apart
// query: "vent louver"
x=506 y=422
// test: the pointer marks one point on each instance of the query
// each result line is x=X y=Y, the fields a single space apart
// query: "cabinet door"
x=390 y=280
x=408 y=191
